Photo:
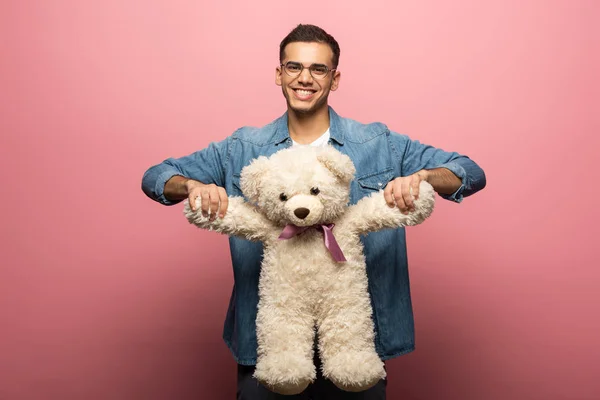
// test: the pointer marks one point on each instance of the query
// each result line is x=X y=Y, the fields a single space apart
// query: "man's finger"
x=192 y=201
x=416 y=182
x=205 y=202
x=224 y=202
x=193 y=197
x=387 y=195
x=406 y=195
x=397 y=193
x=214 y=203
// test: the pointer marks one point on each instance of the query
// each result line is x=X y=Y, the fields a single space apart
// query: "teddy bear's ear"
x=251 y=177
x=339 y=164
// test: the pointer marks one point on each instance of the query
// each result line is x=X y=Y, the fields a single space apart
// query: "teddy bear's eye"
x=283 y=197
x=315 y=191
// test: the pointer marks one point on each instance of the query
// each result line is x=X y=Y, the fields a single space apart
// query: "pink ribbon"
x=332 y=245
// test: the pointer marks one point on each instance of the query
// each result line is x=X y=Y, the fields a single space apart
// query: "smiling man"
x=384 y=159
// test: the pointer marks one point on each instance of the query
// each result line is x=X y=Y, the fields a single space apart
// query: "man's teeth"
x=304 y=92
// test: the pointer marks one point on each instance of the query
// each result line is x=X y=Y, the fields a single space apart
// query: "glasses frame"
x=302 y=68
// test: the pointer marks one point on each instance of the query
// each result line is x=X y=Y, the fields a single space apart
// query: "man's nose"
x=305 y=76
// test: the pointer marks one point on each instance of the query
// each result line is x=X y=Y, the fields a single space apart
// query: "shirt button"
x=380 y=184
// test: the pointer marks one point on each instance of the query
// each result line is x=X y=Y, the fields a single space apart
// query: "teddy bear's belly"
x=303 y=267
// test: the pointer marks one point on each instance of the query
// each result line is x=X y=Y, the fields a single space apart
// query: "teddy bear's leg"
x=285 y=333
x=346 y=335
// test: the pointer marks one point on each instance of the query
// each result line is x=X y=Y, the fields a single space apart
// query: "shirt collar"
x=335 y=130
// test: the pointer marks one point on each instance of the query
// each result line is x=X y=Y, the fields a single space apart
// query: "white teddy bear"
x=313 y=275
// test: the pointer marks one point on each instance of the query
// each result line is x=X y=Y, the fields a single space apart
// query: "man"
x=383 y=159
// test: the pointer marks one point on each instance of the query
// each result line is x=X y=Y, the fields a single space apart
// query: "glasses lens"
x=319 y=71
x=293 y=68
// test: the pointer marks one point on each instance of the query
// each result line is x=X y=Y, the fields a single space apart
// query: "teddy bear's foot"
x=287 y=388
x=286 y=374
x=354 y=371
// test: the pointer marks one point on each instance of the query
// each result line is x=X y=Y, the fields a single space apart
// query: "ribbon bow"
x=332 y=245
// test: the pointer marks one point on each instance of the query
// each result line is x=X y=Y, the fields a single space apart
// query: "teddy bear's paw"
x=354 y=371
x=285 y=375
x=426 y=201
x=194 y=217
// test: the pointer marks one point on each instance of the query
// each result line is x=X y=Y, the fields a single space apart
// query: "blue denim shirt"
x=379 y=156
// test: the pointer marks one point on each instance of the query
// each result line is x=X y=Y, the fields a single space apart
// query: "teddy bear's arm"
x=241 y=219
x=372 y=213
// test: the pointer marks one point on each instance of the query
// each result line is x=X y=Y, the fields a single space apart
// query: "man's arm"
x=452 y=175
x=443 y=180
x=176 y=188
x=201 y=174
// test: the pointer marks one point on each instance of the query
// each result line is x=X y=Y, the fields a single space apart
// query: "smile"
x=304 y=94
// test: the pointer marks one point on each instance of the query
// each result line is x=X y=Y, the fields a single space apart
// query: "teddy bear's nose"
x=301 y=212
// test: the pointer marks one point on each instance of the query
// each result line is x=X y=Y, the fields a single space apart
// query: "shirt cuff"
x=459 y=171
x=159 y=189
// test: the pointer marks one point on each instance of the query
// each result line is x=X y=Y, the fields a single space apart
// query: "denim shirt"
x=379 y=156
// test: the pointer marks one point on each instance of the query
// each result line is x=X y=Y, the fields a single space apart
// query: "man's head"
x=309 y=58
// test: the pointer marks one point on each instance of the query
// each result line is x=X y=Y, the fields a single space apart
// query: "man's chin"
x=304 y=109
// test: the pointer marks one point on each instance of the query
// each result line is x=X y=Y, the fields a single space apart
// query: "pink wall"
x=107 y=295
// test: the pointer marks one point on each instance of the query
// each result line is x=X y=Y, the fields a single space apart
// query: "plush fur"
x=302 y=288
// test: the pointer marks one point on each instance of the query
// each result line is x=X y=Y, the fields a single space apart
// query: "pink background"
x=105 y=294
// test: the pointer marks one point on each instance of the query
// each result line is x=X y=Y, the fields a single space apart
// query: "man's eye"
x=293 y=67
x=320 y=69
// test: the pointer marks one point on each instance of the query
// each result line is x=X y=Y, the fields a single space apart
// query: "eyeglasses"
x=317 y=71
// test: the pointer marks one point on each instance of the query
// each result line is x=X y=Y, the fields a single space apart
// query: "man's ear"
x=251 y=177
x=335 y=82
x=278 y=75
x=339 y=164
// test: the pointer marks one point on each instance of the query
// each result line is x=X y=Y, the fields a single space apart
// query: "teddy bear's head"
x=301 y=185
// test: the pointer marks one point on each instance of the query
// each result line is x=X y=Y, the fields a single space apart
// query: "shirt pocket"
x=375 y=181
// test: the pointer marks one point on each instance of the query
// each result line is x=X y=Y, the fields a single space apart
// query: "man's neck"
x=305 y=129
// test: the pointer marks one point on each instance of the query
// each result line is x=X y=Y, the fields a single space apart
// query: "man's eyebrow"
x=314 y=64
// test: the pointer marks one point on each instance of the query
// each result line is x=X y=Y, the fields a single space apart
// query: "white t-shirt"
x=322 y=140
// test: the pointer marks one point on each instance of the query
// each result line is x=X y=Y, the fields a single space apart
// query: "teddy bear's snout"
x=301 y=212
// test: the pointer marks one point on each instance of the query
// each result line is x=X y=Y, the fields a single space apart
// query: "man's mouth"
x=304 y=94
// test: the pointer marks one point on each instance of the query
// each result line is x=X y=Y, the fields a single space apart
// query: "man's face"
x=304 y=93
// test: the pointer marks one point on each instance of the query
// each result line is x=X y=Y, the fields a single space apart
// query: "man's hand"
x=214 y=198
x=398 y=192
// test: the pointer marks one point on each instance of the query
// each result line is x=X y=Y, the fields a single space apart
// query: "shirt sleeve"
x=207 y=166
x=415 y=156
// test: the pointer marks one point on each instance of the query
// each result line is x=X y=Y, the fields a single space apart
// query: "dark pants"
x=248 y=388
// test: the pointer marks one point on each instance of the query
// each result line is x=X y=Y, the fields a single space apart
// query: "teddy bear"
x=313 y=278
